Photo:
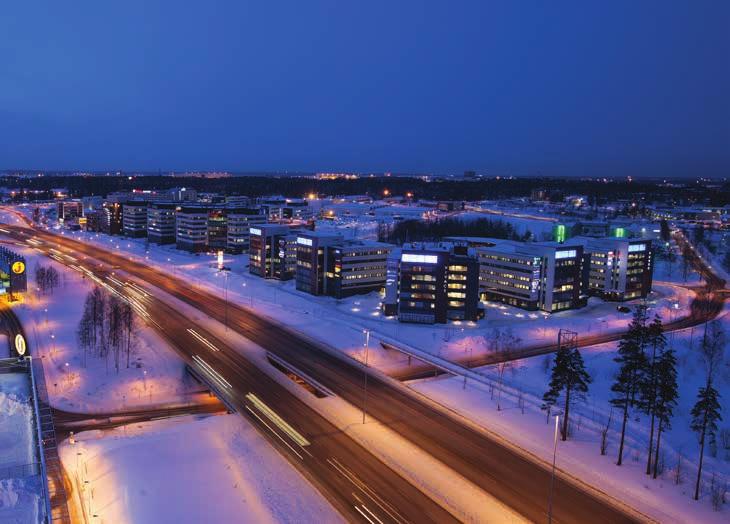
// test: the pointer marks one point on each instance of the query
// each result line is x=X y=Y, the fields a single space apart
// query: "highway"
x=508 y=475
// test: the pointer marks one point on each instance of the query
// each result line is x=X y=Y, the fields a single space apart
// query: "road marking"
x=277 y=420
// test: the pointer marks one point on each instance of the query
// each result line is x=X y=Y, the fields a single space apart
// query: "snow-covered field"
x=21 y=485
x=155 y=375
x=189 y=470
x=526 y=381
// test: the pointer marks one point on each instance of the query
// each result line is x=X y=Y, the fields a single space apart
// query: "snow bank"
x=190 y=470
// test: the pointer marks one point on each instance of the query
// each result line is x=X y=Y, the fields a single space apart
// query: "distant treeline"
x=433 y=231
x=441 y=189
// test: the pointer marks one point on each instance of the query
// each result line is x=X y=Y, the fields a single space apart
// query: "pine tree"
x=666 y=398
x=568 y=374
x=650 y=381
x=632 y=360
x=705 y=415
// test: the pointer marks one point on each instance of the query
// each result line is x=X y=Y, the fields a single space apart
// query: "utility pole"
x=552 y=476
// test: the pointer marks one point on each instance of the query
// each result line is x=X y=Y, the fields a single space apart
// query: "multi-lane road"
x=516 y=480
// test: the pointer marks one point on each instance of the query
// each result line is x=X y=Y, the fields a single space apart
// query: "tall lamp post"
x=552 y=475
x=365 y=391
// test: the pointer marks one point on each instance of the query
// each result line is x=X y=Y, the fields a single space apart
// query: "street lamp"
x=552 y=476
x=365 y=394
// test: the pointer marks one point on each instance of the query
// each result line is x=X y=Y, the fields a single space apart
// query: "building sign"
x=619 y=232
x=637 y=247
x=559 y=232
x=255 y=231
x=304 y=241
x=571 y=253
x=18 y=267
x=419 y=259
x=20 y=344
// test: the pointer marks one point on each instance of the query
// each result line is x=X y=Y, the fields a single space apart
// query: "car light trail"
x=277 y=420
x=203 y=340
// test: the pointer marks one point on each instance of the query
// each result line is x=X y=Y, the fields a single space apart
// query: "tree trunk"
x=699 y=469
x=656 y=453
x=651 y=443
x=623 y=434
x=567 y=413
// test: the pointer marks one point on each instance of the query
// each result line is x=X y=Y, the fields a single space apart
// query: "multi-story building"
x=192 y=228
x=329 y=265
x=111 y=219
x=532 y=276
x=272 y=251
x=312 y=261
x=217 y=229
x=69 y=209
x=134 y=218
x=356 y=267
x=93 y=220
x=617 y=268
x=240 y=219
x=161 y=222
x=436 y=283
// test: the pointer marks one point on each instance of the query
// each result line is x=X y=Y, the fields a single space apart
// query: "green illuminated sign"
x=559 y=233
x=619 y=232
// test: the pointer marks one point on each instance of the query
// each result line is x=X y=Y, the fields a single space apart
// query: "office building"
x=69 y=209
x=272 y=251
x=617 y=268
x=355 y=267
x=94 y=220
x=192 y=228
x=329 y=265
x=111 y=219
x=430 y=283
x=541 y=275
x=312 y=260
x=217 y=229
x=134 y=218
x=240 y=219
x=161 y=222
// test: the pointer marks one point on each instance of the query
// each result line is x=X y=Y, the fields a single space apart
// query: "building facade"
x=436 y=283
x=217 y=229
x=134 y=218
x=191 y=231
x=111 y=218
x=618 y=268
x=240 y=219
x=161 y=222
x=272 y=251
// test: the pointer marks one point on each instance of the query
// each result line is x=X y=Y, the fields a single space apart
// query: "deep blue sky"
x=513 y=87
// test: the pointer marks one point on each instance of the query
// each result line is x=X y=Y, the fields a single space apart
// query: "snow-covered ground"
x=156 y=375
x=21 y=485
x=526 y=381
x=189 y=470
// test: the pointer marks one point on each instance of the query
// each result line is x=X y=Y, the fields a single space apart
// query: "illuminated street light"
x=552 y=476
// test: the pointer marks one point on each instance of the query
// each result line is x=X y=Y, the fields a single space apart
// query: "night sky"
x=596 y=88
